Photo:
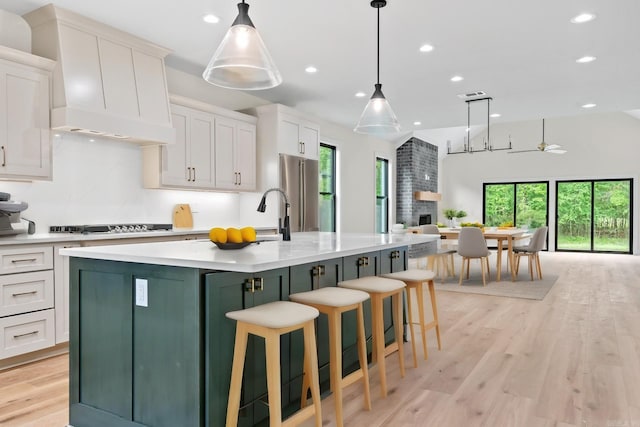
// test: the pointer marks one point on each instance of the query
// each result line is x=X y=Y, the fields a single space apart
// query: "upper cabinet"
x=106 y=82
x=298 y=137
x=235 y=154
x=25 y=138
x=215 y=149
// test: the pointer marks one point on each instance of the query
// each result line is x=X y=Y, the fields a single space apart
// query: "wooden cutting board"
x=182 y=217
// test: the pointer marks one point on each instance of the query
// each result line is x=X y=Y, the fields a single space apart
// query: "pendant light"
x=242 y=61
x=378 y=117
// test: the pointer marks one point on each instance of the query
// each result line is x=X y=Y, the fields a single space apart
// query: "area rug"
x=523 y=287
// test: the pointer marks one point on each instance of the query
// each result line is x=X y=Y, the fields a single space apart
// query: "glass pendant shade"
x=378 y=117
x=242 y=60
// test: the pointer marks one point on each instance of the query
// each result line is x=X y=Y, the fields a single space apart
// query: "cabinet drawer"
x=26 y=332
x=21 y=293
x=26 y=258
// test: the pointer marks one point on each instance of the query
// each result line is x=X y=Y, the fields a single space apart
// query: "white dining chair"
x=531 y=251
x=472 y=245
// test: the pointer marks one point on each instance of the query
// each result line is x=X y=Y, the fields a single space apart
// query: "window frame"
x=386 y=197
x=333 y=194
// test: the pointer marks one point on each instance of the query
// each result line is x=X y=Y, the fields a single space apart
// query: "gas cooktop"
x=109 y=228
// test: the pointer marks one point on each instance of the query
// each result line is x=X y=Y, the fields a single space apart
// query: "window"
x=520 y=204
x=382 y=195
x=327 y=187
x=594 y=215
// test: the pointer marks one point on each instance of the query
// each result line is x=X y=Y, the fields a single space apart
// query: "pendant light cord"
x=378 y=45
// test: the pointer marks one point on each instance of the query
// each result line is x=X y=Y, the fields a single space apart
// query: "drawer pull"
x=25 y=334
x=16 y=261
x=259 y=284
x=363 y=261
x=25 y=293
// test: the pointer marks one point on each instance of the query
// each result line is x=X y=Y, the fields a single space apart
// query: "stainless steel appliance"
x=109 y=228
x=299 y=180
x=10 y=223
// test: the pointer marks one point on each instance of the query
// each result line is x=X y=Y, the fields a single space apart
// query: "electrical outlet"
x=142 y=295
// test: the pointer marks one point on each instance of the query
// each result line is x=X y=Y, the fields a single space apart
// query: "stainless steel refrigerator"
x=299 y=180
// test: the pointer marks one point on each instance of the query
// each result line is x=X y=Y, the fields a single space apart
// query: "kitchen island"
x=150 y=345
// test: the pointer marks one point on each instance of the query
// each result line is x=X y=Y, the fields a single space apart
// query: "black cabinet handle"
x=363 y=261
x=395 y=254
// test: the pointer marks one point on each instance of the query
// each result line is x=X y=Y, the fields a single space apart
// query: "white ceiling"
x=521 y=53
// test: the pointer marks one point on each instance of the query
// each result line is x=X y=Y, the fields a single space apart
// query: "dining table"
x=500 y=235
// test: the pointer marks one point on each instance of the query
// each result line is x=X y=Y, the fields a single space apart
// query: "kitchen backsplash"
x=100 y=181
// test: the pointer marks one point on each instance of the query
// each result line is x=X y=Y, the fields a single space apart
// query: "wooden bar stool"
x=415 y=279
x=333 y=302
x=270 y=321
x=378 y=289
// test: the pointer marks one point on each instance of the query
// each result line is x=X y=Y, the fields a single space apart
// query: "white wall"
x=598 y=146
x=356 y=186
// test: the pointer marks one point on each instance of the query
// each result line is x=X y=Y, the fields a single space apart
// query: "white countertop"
x=303 y=248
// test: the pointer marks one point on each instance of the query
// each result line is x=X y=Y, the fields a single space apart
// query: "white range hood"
x=106 y=82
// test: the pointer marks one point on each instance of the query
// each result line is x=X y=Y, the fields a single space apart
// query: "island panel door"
x=391 y=261
x=307 y=277
x=224 y=292
x=354 y=267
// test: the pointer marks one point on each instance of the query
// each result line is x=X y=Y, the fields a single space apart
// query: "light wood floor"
x=570 y=360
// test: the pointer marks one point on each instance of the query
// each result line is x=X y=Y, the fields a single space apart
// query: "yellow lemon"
x=234 y=235
x=218 y=235
x=248 y=234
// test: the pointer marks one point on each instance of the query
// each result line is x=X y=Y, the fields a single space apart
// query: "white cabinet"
x=298 y=137
x=26 y=299
x=25 y=142
x=235 y=154
x=189 y=162
x=215 y=149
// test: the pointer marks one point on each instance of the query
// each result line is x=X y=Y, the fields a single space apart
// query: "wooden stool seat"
x=415 y=279
x=378 y=289
x=442 y=262
x=333 y=302
x=270 y=321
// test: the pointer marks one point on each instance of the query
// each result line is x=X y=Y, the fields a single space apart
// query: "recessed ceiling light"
x=582 y=18
x=588 y=105
x=311 y=69
x=210 y=19
x=457 y=78
x=426 y=48
x=585 y=59
x=360 y=94
x=92 y=140
x=417 y=123
x=495 y=115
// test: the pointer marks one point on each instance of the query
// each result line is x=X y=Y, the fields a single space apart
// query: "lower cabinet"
x=134 y=361
x=224 y=292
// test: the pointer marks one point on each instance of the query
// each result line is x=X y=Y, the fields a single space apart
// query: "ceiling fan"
x=543 y=146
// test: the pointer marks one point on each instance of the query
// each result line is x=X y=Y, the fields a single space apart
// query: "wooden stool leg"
x=362 y=355
x=413 y=335
x=272 y=347
x=396 y=301
x=239 y=352
x=311 y=369
x=434 y=308
x=539 y=267
x=482 y=262
x=378 y=340
x=420 y=295
x=530 y=258
x=335 y=362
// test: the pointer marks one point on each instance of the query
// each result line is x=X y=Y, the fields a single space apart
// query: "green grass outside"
x=578 y=243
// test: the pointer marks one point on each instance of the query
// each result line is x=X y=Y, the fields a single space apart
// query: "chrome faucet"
x=286 y=228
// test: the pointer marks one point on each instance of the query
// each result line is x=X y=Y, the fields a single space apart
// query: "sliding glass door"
x=594 y=215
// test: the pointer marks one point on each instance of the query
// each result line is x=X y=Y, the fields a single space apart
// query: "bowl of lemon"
x=232 y=238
